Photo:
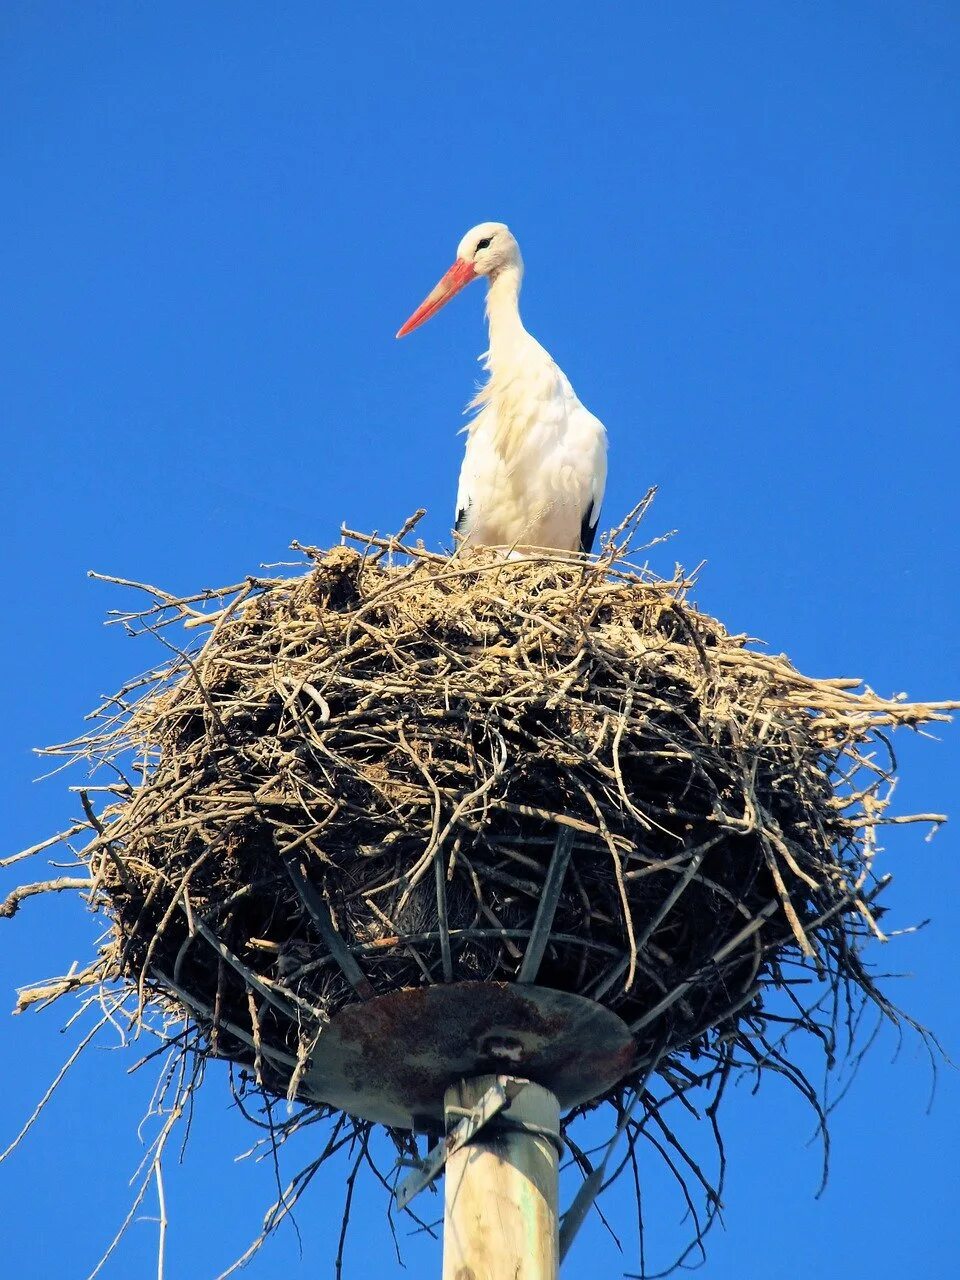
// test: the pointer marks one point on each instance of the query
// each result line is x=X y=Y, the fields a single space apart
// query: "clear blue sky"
x=741 y=233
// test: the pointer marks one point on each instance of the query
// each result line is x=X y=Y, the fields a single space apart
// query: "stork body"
x=535 y=464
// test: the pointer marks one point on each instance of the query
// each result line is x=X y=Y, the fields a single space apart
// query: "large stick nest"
x=355 y=782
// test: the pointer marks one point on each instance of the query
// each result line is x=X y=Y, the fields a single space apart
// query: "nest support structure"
x=370 y=775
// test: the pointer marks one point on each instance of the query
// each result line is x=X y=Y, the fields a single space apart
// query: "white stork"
x=535 y=465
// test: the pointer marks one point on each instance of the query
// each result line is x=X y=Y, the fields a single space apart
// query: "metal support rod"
x=546 y=909
x=591 y=1186
x=440 y=873
x=501 y=1189
x=320 y=914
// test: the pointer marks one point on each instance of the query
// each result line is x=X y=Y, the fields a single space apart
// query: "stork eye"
x=483 y=244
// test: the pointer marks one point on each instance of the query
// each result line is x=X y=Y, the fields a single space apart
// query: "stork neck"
x=503 y=313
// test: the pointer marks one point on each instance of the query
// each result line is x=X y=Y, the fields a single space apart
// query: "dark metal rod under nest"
x=440 y=871
x=320 y=914
x=543 y=922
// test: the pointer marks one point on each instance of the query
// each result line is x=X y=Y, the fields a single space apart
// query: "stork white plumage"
x=535 y=464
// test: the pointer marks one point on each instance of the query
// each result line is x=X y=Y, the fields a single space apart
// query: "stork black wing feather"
x=588 y=529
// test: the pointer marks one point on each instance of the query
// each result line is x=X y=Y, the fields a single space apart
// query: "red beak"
x=459 y=275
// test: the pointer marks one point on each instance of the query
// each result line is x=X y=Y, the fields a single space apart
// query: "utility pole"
x=501 y=1187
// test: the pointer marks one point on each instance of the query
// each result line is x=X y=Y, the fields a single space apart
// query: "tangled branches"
x=354 y=783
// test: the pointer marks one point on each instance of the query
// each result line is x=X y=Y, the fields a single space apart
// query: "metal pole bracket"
x=496 y=1099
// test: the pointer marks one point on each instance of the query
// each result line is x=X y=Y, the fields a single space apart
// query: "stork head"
x=486 y=250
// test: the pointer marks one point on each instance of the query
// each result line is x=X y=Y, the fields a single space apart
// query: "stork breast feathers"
x=519 y=398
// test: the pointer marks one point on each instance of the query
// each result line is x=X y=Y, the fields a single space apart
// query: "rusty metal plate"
x=390 y=1059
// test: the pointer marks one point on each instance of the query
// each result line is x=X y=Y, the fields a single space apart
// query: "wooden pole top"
x=501 y=1192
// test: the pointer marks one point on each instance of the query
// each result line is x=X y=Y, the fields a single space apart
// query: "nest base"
x=391 y=1059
